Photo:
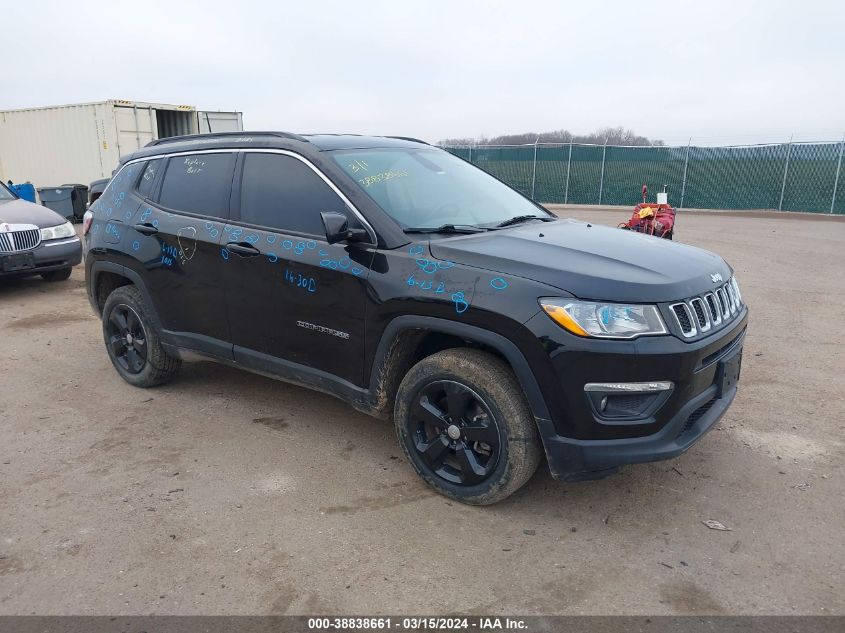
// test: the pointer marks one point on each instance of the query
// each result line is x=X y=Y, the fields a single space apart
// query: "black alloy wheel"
x=455 y=433
x=127 y=339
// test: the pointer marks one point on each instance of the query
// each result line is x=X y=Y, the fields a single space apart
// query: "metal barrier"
x=787 y=176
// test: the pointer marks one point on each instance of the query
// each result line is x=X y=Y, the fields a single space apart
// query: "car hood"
x=23 y=212
x=589 y=261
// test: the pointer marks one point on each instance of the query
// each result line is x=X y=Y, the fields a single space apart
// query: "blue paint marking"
x=287 y=245
x=344 y=263
x=136 y=245
x=109 y=212
x=310 y=245
x=441 y=288
x=111 y=229
x=252 y=238
x=155 y=223
x=167 y=261
x=146 y=214
x=416 y=250
x=357 y=271
x=429 y=267
x=300 y=281
x=445 y=265
x=328 y=263
x=300 y=248
x=272 y=258
x=127 y=215
x=271 y=239
x=323 y=253
x=224 y=254
x=498 y=283
x=461 y=304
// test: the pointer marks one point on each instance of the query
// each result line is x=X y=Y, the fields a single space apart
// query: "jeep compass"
x=413 y=285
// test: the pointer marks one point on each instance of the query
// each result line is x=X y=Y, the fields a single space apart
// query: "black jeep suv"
x=411 y=284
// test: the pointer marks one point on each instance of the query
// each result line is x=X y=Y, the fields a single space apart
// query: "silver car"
x=35 y=240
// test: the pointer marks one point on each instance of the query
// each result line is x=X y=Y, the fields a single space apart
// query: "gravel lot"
x=229 y=493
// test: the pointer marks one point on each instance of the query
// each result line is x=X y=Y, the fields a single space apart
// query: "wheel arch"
x=105 y=277
x=405 y=336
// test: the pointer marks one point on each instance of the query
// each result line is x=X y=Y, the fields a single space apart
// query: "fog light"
x=626 y=402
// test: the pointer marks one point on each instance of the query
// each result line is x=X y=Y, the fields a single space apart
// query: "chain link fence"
x=787 y=177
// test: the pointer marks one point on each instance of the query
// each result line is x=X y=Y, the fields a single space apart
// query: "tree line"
x=609 y=135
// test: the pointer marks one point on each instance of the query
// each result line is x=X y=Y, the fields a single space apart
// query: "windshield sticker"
x=368 y=181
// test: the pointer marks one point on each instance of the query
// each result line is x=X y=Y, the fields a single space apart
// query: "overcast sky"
x=721 y=72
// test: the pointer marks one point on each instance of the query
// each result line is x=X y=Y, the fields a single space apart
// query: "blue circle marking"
x=498 y=283
x=136 y=245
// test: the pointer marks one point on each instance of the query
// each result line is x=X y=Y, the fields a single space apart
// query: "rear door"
x=178 y=230
x=292 y=297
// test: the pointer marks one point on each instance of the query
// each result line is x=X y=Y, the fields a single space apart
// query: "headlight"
x=604 y=320
x=58 y=232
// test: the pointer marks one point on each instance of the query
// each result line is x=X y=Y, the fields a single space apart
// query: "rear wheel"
x=132 y=341
x=57 y=275
x=465 y=427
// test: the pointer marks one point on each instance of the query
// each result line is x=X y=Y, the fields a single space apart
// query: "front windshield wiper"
x=447 y=228
x=523 y=218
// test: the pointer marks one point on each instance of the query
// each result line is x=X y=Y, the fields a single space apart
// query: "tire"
x=57 y=275
x=454 y=459
x=132 y=340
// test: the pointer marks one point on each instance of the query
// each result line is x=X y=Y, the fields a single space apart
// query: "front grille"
x=711 y=310
x=682 y=314
x=17 y=241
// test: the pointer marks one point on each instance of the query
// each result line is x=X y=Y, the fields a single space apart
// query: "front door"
x=295 y=303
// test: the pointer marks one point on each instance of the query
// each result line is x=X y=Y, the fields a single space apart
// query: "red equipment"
x=652 y=218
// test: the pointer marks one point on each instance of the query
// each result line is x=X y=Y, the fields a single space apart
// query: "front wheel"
x=132 y=340
x=465 y=426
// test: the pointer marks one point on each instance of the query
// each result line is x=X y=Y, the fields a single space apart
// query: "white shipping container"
x=79 y=143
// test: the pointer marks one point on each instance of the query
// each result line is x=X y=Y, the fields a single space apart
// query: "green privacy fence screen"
x=788 y=176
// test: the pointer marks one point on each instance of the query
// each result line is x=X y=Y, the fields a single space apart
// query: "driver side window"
x=282 y=193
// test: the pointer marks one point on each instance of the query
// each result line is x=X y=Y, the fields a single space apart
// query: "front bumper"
x=51 y=255
x=581 y=445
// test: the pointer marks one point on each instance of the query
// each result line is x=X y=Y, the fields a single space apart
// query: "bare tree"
x=611 y=135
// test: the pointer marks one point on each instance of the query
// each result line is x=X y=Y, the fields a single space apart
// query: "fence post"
x=838 y=169
x=534 y=170
x=568 y=165
x=601 y=181
x=470 y=154
x=785 y=172
x=684 y=182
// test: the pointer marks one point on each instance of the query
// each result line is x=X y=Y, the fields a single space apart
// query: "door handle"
x=243 y=249
x=145 y=229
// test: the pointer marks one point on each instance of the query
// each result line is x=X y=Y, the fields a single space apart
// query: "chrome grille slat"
x=710 y=311
x=18 y=241
x=700 y=312
x=713 y=305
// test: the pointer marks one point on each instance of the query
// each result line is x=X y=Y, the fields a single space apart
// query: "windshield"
x=5 y=194
x=427 y=188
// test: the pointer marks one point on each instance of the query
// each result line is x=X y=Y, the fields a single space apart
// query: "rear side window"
x=198 y=183
x=283 y=193
x=145 y=185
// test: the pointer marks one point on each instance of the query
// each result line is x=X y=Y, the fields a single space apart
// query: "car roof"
x=303 y=143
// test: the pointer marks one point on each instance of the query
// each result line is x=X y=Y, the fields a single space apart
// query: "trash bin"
x=67 y=200
x=24 y=190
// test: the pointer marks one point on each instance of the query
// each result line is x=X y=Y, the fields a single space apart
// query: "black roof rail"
x=408 y=138
x=222 y=135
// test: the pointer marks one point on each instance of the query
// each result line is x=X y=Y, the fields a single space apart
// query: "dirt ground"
x=229 y=493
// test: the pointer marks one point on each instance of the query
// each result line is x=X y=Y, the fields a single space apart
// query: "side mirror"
x=337 y=228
